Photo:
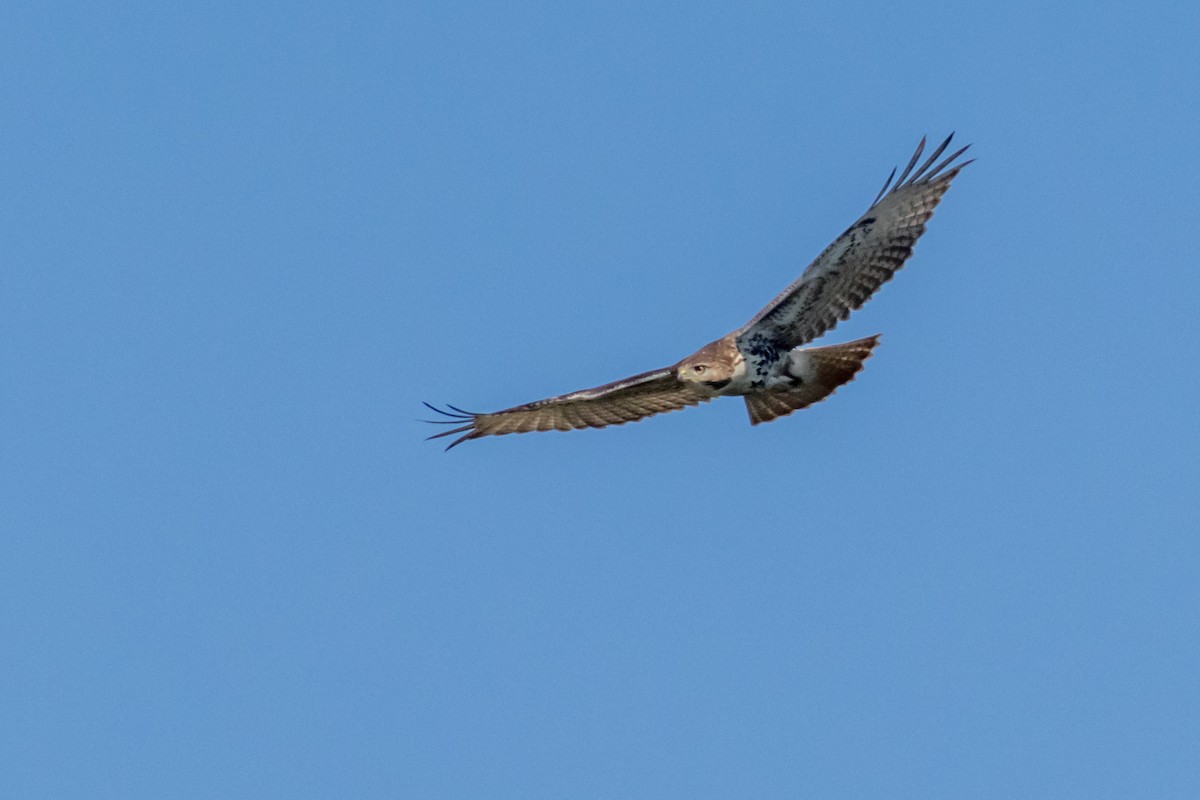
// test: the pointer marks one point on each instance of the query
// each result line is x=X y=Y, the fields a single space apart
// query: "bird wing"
x=860 y=260
x=616 y=403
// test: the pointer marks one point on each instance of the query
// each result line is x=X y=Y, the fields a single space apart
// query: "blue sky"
x=241 y=244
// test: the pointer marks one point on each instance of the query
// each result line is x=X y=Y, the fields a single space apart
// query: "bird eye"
x=699 y=368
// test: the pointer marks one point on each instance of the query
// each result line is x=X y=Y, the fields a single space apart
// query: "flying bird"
x=764 y=361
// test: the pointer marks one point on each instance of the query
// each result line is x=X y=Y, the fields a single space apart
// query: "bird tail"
x=816 y=373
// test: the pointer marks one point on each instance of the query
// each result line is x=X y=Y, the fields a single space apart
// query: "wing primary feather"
x=457 y=418
x=886 y=184
x=460 y=411
x=461 y=415
x=912 y=162
x=457 y=442
x=932 y=157
x=470 y=427
x=947 y=161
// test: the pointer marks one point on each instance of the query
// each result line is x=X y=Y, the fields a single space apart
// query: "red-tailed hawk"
x=763 y=361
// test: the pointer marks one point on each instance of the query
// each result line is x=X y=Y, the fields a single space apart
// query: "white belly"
x=794 y=368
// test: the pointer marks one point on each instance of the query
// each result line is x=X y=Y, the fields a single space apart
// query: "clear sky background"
x=238 y=246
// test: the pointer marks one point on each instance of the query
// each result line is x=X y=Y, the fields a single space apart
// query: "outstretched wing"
x=860 y=260
x=615 y=403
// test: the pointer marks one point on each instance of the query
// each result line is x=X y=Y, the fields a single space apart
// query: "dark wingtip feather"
x=450 y=432
x=941 y=148
x=456 y=417
x=926 y=173
x=912 y=162
x=457 y=442
x=458 y=413
x=950 y=159
x=435 y=409
x=886 y=184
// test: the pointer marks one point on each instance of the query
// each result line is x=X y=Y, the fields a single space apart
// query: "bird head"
x=712 y=364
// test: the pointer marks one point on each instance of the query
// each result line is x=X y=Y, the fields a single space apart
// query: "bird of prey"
x=764 y=361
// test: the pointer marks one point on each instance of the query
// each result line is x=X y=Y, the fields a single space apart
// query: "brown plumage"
x=763 y=360
x=833 y=366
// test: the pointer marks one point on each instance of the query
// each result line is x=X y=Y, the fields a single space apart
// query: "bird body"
x=765 y=360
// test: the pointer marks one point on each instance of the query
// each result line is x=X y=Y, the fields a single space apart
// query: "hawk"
x=764 y=361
